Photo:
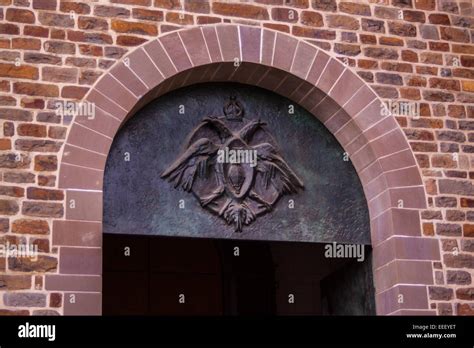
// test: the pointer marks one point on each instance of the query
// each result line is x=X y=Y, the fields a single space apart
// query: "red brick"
x=82 y=36
x=381 y=53
x=390 y=41
x=425 y=4
x=443 y=161
x=28 y=226
x=5 y=144
x=76 y=7
x=197 y=6
x=468 y=49
x=41 y=264
x=132 y=2
x=36 y=89
x=4 y=226
x=59 y=34
x=47 y=180
x=43 y=209
x=15 y=282
x=447 y=84
x=8 y=207
x=355 y=8
x=7 y=100
x=342 y=22
x=20 y=15
x=111 y=11
x=347 y=49
x=410 y=93
x=91 y=50
x=31 y=130
x=314 y=33
x=401 y=29
x=15 y=115
x=12 y=191
x=19 y=177
x=92 y=23
x=454 y=34
x=125 y=40
x=32 y=103
x=468 y=86
x=409 y=56
x=179 y=18
x=401 y=67
x=57 y=132
x=14 y=161
x=367 y=64
x=35 y=31
x=44 y=194
x=168 y=4
x=37 y=145
x=414 y=16
x=438 y=46
x=428 y=229
x=9 y=29
x=5 y=86
x=44 y=4
x=368 y=39
x=121 y=26
x=74 y=92
x=439 y=18
x=282 y=14
x=240 y=10
x=56 y=20
x=213 y=20
x=46 y=163
x=146 y=14
x=40 y=58
x=21 y=71
x=55 y=300
x=54 y=74
x=373 y=25
x=26 y=44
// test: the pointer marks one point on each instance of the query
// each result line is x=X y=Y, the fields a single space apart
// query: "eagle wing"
x=194 y=161
x=209 y=123
x=219 y=126
x=276 y=171
x=247 y=132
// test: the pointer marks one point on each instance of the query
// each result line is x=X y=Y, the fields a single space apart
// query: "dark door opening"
x=152 y=275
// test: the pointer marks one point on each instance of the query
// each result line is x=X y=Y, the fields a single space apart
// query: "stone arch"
x=379 y=151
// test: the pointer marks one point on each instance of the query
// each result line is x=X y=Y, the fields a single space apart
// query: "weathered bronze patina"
x=233 y=167
x=137 y=200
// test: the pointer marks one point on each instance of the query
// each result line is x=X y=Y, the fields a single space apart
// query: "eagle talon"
x=206 y=200
x=265 y=206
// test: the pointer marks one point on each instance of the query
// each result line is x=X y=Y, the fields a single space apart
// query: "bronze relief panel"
x=233 y=167
x=228 y=160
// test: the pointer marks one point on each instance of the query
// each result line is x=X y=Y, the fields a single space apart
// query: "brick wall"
x=413 y=50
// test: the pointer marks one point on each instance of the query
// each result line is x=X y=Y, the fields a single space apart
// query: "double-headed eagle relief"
x=233 y=167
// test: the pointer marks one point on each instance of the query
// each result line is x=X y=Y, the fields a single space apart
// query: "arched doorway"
x=377 y=147
x=200 y=275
